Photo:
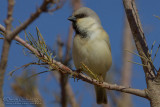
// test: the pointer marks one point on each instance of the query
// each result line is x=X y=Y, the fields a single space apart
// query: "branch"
x=18 y=39
x=6 y=47
x=65 y=70
x=136 y=92
x=43 y=8
x=2 y=28
x=139 y=38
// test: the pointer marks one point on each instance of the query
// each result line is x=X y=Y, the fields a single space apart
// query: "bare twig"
x=152 y=47
x=156 y=53
x=2 y=28
x=26 y=65
x=43 y=8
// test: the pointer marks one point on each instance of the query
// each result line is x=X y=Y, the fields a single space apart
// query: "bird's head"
x=84 y=20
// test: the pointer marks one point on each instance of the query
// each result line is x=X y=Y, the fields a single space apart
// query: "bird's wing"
x=106 y=38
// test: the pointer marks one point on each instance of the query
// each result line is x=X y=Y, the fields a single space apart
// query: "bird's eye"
x=80 y=16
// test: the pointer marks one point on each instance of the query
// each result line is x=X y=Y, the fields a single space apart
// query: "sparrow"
x=91 y=46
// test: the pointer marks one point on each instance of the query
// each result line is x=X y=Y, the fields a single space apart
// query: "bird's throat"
x=81 y=32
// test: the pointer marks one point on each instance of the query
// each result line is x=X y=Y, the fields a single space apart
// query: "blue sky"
x=112 y=16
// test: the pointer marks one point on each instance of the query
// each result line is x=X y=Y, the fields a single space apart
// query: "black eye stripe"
x=80 y=15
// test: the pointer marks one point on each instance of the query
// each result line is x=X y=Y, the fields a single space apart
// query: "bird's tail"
x=101 y=96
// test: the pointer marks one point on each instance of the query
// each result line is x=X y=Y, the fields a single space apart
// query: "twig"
x=43 y=8
x=26 y=65
x=34 y=75
x=137 y=63
x=156 y=52
x=152 y=47
x=2 y=28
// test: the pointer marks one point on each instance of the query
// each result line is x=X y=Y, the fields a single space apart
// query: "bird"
x=91 y=46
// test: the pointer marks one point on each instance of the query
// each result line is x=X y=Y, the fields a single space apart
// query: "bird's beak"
x=72 y=18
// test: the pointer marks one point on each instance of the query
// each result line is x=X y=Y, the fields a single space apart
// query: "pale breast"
x=95 y=55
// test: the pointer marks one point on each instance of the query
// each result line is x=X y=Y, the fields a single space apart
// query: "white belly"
x=94 y=54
